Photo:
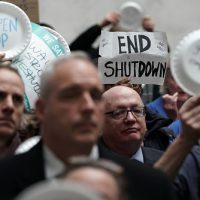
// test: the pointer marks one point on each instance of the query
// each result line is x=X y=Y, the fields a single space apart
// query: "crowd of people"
x=105 y=138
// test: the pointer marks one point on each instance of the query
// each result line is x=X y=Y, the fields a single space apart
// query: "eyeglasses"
x=122 y=113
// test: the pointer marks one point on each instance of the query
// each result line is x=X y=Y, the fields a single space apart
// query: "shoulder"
x=155 y=103
x=151 y=155
x=145 y=178
x=20 y=171
x=187 y=183
x=192 y=161
x=140 y=177
x=15 y=165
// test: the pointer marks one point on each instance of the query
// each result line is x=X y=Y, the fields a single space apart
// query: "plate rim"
x=60 y=37
x=14 y=10
x=137 y=7
x=177 y=60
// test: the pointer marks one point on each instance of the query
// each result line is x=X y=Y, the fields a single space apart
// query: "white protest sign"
x=116 y=43
x=15 y=30
x=140 y=56
x=42 y=49
x=138 y=69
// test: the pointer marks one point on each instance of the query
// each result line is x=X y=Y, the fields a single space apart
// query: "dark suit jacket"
x=145 y=182
x=151 y=155
x=19 y=172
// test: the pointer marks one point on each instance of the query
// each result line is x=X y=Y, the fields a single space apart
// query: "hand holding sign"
x=111 y=18
x=4 y=61
x=140 y=56
x=148 y=24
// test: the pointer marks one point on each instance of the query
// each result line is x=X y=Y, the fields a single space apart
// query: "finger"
x=193 y=120
x=5 y=63
x=4 y=59
x=191 y=103
x=2 y=55
x=168 y=99
x=175 y=94
x=190 y=114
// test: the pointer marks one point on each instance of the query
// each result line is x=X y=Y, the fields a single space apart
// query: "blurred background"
x=71 y=17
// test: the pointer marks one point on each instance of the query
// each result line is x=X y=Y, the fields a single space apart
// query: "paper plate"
x=131 y=16
x=15 y=30
x=42 y=49
x=60 y=39
x=185 y=63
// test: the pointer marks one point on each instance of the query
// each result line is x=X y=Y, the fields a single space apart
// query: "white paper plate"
x=60 y=39
x=131 y=16
x=185 y=63
x=15 y=30
x=43 y=48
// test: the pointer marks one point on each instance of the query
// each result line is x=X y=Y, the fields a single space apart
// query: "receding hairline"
x=49 y=73
x=13 y=70
x=112 y=93
x=74 y=59
x=116 y=90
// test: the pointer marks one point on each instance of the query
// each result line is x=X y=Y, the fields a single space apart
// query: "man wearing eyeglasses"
x=125 y=125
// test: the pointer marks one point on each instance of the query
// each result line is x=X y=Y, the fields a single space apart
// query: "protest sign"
x=30 y=7
x=140 y=56
x=42 y=49
x=138 y=70
x=15 y=30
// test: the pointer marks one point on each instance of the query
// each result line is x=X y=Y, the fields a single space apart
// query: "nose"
x=8 y=105
x=130 y=117
x=88 y=103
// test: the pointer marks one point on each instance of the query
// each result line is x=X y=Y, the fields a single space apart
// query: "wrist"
x=188 y=140
x=102 y=24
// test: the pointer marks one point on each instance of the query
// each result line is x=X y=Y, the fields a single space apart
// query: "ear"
x=40 y=108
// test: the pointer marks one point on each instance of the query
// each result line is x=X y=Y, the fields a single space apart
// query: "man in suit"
x=125 y=125
x=11 y=108
x=71 y=112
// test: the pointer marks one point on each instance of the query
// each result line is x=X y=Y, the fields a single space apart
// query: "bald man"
x=125 y=125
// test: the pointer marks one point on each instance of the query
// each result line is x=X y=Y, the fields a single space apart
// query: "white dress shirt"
x=138 y=155
x=54 y=166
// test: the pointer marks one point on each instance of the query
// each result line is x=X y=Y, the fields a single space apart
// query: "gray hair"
x=45 y=86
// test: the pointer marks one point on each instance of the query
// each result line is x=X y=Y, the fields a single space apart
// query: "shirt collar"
x=138 y=155
x=54 y=166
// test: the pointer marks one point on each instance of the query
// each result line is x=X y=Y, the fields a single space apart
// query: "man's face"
x=129 y=129
x=73 y=112
x=11 y=102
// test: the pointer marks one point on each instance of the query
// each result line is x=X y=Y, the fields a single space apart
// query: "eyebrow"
x=130 y=106
x=77 y=87
x=14 y=93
